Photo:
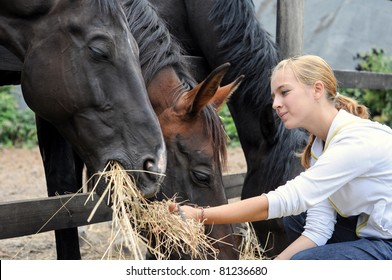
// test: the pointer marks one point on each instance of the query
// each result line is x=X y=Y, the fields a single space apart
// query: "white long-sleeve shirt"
x=351 y=174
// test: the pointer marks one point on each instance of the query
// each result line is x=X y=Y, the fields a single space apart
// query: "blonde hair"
x=311 y=68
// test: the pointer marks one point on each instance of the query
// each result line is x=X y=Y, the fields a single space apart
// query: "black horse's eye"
x=203 y=179
x=99 y=54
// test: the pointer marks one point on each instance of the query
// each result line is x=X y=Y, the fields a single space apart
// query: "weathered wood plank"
x=363 y=79
x=26 y=217
x=346 y=78
x=233 y=184
x=290 y=27
x=20 y=218
x=200 y=69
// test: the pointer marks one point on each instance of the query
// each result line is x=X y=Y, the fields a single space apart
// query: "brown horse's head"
x=82 y=74
x=196 y=142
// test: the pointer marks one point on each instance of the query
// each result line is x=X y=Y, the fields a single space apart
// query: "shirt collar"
x=341 y=118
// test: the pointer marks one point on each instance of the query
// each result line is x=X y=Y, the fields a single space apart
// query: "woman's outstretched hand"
x=246 y=210
x=186 y=212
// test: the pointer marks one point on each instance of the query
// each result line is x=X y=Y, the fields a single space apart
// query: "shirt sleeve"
x=346 y=158
x=320 y=222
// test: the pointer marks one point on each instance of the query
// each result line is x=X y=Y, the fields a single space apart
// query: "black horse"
x=81 y=76
x=223 y=31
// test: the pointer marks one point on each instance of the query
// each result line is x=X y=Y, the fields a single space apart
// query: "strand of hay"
x=141 y=223
x=250 y=248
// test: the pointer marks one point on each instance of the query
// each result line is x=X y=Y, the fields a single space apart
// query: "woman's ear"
x=319 y=90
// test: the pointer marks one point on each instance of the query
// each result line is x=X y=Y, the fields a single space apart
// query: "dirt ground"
x=22 y=177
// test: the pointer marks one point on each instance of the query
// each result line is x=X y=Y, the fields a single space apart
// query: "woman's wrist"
x=201 y=216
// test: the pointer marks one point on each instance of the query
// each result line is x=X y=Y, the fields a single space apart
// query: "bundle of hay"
x=250 y=248
x=139 y=221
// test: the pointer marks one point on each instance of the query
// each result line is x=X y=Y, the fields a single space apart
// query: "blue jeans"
x=343 y=245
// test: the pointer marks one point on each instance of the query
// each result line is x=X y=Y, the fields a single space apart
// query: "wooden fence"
x=21 y=218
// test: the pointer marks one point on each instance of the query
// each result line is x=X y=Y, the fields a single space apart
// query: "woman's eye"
x=285 y=91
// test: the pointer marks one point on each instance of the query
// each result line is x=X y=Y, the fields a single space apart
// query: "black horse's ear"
x=269 y=124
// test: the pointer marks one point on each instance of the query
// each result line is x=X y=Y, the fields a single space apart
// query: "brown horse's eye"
x=203 y=179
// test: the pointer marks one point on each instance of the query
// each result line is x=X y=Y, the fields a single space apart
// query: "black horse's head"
x=82 y=74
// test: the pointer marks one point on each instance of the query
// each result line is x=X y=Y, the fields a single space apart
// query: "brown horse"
x=220 y=31
x=81 y=76
x=193 y=132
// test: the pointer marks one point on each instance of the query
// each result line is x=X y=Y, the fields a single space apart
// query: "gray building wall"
x=338 y=29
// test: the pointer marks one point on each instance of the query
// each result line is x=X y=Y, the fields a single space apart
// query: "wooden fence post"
x=290 y=27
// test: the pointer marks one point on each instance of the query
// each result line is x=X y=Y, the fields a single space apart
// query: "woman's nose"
x=276 y=103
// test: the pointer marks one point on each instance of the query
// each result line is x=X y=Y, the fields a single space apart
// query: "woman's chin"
x=289 y=125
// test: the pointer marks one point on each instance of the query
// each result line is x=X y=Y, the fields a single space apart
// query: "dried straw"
x=250 y=248
x=141 y=223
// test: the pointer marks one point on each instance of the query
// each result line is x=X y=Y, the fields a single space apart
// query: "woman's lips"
x=282 y=115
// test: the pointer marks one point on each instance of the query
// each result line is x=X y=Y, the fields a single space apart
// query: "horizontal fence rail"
x=27 y=217
x=200 y=69
x=347 y=78
x=363 y=79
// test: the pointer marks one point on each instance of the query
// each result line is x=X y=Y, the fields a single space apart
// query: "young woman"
x=343 y=201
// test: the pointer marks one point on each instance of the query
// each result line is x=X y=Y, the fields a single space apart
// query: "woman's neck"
x=321 y=126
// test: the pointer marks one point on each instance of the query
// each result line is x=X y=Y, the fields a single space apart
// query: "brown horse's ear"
x=224 y=93
x=194 y=100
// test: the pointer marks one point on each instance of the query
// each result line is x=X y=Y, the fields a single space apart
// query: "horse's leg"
x=61 y=178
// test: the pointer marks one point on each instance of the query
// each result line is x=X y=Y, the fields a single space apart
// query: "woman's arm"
x=300 y=244
x=247 y=210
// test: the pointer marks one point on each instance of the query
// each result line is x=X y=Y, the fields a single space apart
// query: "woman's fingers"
x=173 y=207
x=184 y=211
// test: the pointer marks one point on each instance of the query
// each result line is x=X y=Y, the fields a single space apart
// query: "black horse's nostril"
x=151 y=168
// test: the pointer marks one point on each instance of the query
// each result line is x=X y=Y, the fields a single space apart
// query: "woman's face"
x=292 y=100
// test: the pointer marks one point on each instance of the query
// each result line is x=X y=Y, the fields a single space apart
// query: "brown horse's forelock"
x=216 y=131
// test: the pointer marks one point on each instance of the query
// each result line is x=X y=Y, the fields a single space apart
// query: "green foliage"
x=17 y=128
x=379 y=102
x=230 y=128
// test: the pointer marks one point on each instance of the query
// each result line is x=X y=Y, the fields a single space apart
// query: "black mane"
x=159 y=49
x=150 y=31
x=237 y=22
x=252 y=52
x=108 y=7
